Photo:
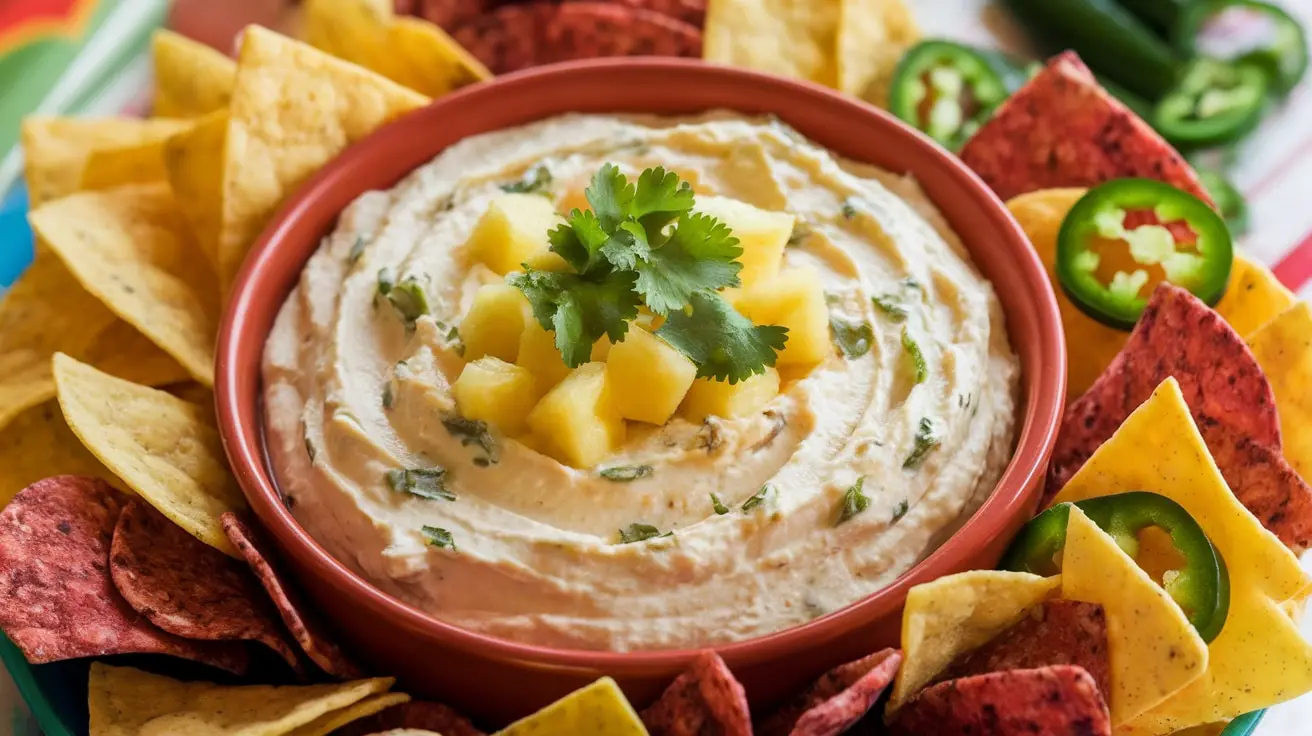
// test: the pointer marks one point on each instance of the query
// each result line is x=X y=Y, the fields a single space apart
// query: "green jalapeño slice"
x=1215 y=102
x=1245 y=30
x=946 y=91
x=1124 y=237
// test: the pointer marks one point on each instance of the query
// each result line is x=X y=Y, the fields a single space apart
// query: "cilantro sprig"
x=642 y=244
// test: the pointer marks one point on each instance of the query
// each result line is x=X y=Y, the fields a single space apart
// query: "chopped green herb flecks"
x=891 y=306
x=718 y=505
x=854 y=501
x=536 y=180
x=453 y=338
x=357 y=249
x=429 y=483
x=917 y=357
x=638 y=532
x=900 y=509
x=473 y=432
x=626 y=473
x=849 y=208
x=853 y=338
x=438 y=537
x=386 y=280
x=408 y=299
x=910 y=282
x=927 y=438
x=801 y=231
x=388 y=398
x=758 y=498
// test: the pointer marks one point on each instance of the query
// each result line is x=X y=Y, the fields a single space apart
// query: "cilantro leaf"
x=758 y=498
x=626 y=473
x=928 y=436
x=536 y=180
x=701 y=255
x=579 y=240
x=724 y=344
x=610 y=195
x=438 y=537
x=660 y=197
x=718 y=505
x=639 y=532
x=579 y=309
x=627 y=246
x=854 y=501
x=853 y=338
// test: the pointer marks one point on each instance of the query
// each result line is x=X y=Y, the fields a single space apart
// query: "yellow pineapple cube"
x=512 y=230
x=494 y=391
x=648 y=378
x=794 y=299
x=495 y=322
x=708 y=397
x=576 y=421
x=546 y=261
x=762 y=234
x=538 y=353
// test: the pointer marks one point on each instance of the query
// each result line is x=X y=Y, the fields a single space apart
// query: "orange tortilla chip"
x=55 y=150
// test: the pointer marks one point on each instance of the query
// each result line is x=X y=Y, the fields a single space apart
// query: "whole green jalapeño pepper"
x=1124 y=236
x=1201 y=586
x=1215 y=102
x=946 y=90
x=1245 y=30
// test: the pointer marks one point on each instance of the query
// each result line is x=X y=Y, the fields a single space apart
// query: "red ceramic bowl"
x=498 y=680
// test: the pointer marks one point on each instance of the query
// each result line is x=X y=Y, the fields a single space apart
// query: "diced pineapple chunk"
x=538 y=353
x=794 y=299
x=546 y=261
x=648 y=378
x=494 y=391
x=761 y=233
x=577 y=421
x=495 y=322
x=707 y=397
x=512 y=230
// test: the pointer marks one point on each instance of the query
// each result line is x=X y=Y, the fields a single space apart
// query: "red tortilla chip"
x=416 y=714
x=307 y=631
x=692 y=12
x=59 y=601
x=507 y=39
x=187 y=587
x=1063 y=130
x=1264 y=482
x=445 y=13
x=707 y=699
x=1062 y=699
x=1055 y=632
x=837 y=700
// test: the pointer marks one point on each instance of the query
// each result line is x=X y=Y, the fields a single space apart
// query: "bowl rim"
x=1043 y=395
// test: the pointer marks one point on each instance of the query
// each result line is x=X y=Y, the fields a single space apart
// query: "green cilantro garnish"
x=718 y=505
x=453 y=338
x=429 y=483
x=536 y=180
x=801 y=231
x=917 y=357
x=889 y=305
x=438 y=537
x=408 y=299
x=638 y=532
x=357 y=249
x=927 y=438
x=849 y=208
x=388 y=398
x=854 y=501
x=758 y=498
x=473 y=432
x=910 y=282
x=900 y=509
x=853 y=338
x=386 y=280
x=626 y=473
x=641 y=243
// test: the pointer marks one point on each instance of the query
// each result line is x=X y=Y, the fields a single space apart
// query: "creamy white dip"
x=537 y=556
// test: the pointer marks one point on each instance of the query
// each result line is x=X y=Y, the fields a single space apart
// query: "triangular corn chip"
x=55 y=150
x=193 y=162
x=191 y=79
x=1253 y=297
x=790 y=38
x=38 y=444
x=140 y=163
x=1283 y=347
x=330 y=722
x=599 y=708
x=872 y=36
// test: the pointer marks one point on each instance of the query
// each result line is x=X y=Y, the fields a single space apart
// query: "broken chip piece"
x=705 y=698
x=836 y=701
x=1061 y=699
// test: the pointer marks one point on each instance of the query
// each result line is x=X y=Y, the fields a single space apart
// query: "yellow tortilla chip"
x=1253 y=297
x=164 y=448
x=1283 y=348
x=191 y=79
x=131 y=248
x=599 y=708
x=137 y=164
x=193 y=163
x=872 y=36
x=1154 y=650
x=55 y=150
x=129 y=702
x=293 y=110
x=38 y=444
x=957 y=614
x=408 y=51
x=1260 y=658
x=790 y=38
x=330 y=722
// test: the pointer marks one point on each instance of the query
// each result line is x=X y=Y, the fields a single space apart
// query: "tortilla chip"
x=1154 y=649
x=305 y=629
x=59 y=602
x=957 y=614
x=790 y=38
x=414 y=715
x=1063 y=130
x=127 y=702
x=1253 y=297
x=1260 y=658
x=131 y=248
x=161 y=446
x=706 y=698
x=193 y=163
x=837 y=700
x=142 y=163
x=598 y=708
x=1283 y=347
x=293 y=110
x=191 y=79
x=1053 y=632
x=409 y=51
x=1051 y=700
x=38 y=444
x=56 y=149
x=188 y=588
x=872 y=37
x=328 y=723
